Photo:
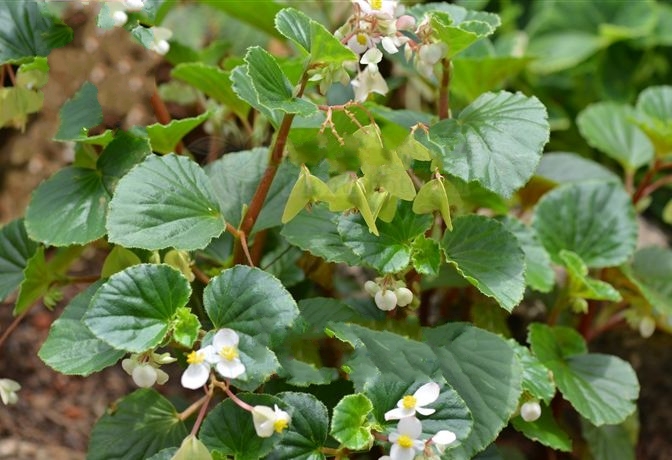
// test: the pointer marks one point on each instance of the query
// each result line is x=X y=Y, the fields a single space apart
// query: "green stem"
x=444 y=89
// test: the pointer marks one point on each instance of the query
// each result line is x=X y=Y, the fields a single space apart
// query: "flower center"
x=376 y=4
x=361 y=39
x=405 y=441
x=409 y=401
x=228 y=353
x=280 y=424
x=195 y=357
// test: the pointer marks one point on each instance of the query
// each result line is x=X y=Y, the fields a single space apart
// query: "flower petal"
x=263 y=418
x=444 y=437
x=195 y=376
x=398 y=413
x=401 y=453
x=427 y=394
x=410 y=426
x=230 y=369
x=225 y=338
x=161 y=377
x=389 y=46
x=425 y=410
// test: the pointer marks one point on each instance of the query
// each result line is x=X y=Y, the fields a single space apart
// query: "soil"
x=55 y=413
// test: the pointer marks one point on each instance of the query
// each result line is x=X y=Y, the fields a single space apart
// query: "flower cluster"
x=144 y=368
x=388 y=294
x=406 y=442
x=222 y=354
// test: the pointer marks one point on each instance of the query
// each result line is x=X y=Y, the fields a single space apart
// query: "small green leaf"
x=426 y=256
x=350 y=423
x=537 y=379
x=71 y=348
x=78 y=114
x=163 y=202
x=16 y=249
x=651 y=269
x=595 y=220
x=308 y=430
x=134 y=309
x=145 y=421
x=653 y=105
x=544 y=430
x=241 y=83
x=164 y=138
x=602 y=388
x=489 y=257
x=117 y=260
x=459 y=36
x=497 y=140
x=68 y=208
x=610 y=127
x=16 y=104
x=33 y=75
x=228 y=429
x=301 y=374
x=583 y=286
x=27 y=30
x=192 y=449
x=432 y=197
x=186 y=327
x=120 y=156
x=37 y=279
x=391 y=251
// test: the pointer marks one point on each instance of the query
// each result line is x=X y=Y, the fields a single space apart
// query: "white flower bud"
x=8 y=389
x=386 y=300
x=119 y=18
x=371 y=287
x=134 y=5
x=647 y=326
x=530 y=411
x=404 y=296
x=144 y=375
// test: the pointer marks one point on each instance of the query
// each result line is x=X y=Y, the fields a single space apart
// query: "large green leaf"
x=653 y=105
x=164 y=138
x=27 y=30
x=78 y=114
x=489 y=257
x=350 y=424
x=258 y=307
x=390 y=252
x=595 y=220
x=15 y=251
x=71 y=348
x=473 y=76
x=315 y=231
x=607 y=442
x=497 y=140
x=140 y=425
x=565 y=167
x=164 y=202
x=610 y=127
x=228 y=429
x=307 y=432
x=134 y=309
x=485 y=372
x=602 y=388
x=651 y=270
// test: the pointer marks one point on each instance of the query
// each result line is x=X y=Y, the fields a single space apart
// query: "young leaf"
x=37 y=278
x=611 y=128
x=497 y=140
x=145 y=421
x=595 y=220
x=78 y=114
x=487 y=255
x=120 y=156
x=651 y=271
x=134 y=309
x=71 y=348
x=117 y=260
x=583 y=286
x=163 y=202
x=164 y=138
x=426 y=256
x=432 y=197
x=15 y=251
x=536 y=377
x=653 y=104
x=457 y=35
x=186 y=327
x=350 y=425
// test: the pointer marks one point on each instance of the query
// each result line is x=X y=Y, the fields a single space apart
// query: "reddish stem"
x=613 y=322
x=235 y=398
x=201 y=413
x=12 y=326
x=163 y=116
x=10 y=72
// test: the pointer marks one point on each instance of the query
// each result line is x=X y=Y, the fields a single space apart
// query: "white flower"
x=360 y=42
x=134 y=5
x=160 y=44
x=428 y=55
x=410 y=404
x=8 y=389
x=367 y=82
x=383 y=9
x=442 y=439
x=267 y=420
x=404 y=296
x=647 y=326
x=389 y=45
x=530 y=411
x=225 y=354
x=385 y=300
x=145 y=369
x=405 y=442
x=198 y=371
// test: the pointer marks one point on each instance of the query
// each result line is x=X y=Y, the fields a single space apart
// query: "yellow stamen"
x=280 y=424
x=228 y=353
x=361 y=39
x=195 y=357
x=409 y=401
x=376 y=4
x=405 y=441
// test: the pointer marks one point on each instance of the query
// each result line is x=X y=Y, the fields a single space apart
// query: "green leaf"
x=302 y=374
x=544 y=430
x=244 y=89
x=317 y=312
x=563 y=50
x=391 y=251
x=497 y=140
x=262 y=19
x=15 y=251
x=71 y=348
x=27 y=30
x=653 y=104
x=458 y=36
x=602 y=388
x=426 y=256
x=145 y=421
x=315 y=231
x=537 y=379
x=117 y=260
x=274 y=91
x=33 y=75
x=350 y=425
x=164 y=202
x=595 y=220
x=134 y=309
x=565 y=167
x=473 y=76
x=607 y=442
x=78 y=114
x=485 y=372
x=610 y=127
x=213 y=82
x=16 y=104
x=37 y=278
x=192 y=449
x=120 y=156
x=313 y=37
x=186 y=327
x=650 y=270
x=164 y=138
x=258 y=307
x=432 y=197
x=228 y=429
x=489 y=256
x=308 y=430
x=69 y=208
x=583 y=286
